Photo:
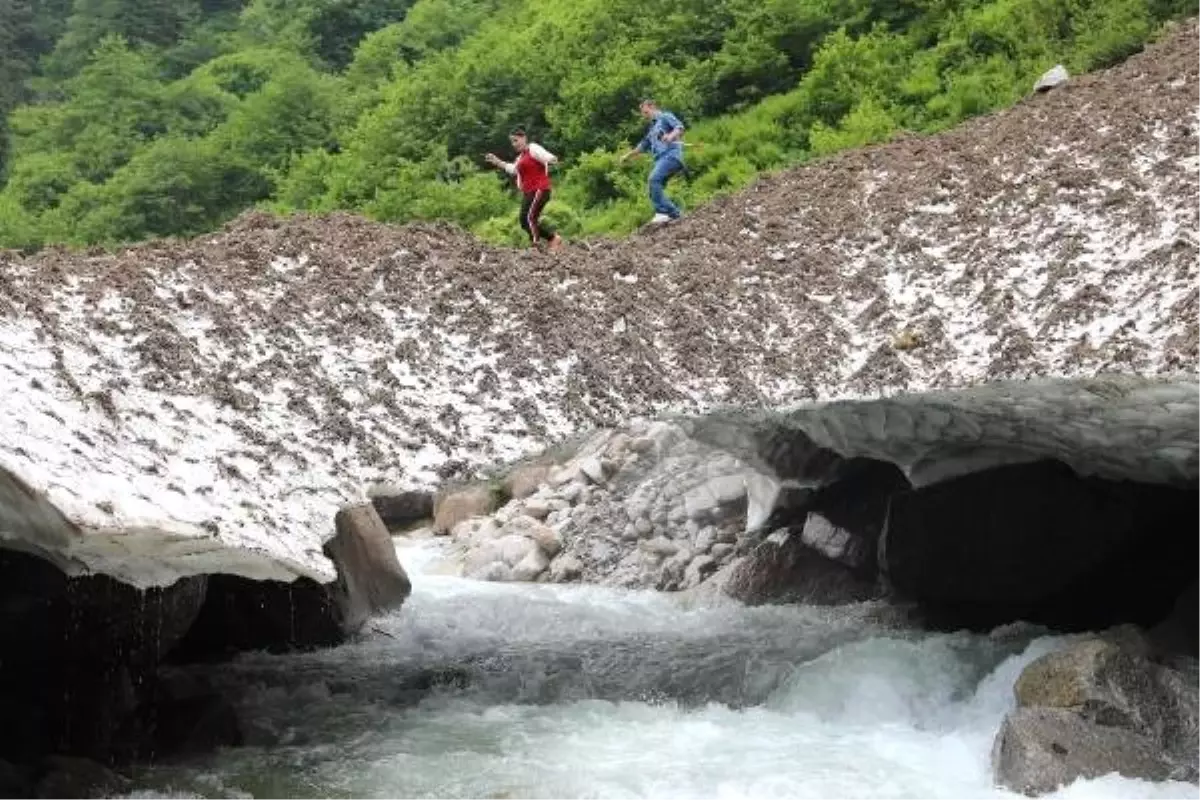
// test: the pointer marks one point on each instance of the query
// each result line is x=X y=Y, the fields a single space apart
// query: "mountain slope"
x=239 y=386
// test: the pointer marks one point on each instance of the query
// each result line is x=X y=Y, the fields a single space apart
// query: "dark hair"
x=647 y=101
x=517 y=131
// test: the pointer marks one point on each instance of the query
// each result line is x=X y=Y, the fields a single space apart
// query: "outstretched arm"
x=500 y=163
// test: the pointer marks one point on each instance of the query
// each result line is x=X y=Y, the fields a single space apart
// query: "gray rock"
x=629 y=533
x=481 y=556
x=371 y=579
x=643 y=526
x=1051 y=78
x=564 y=475
x=537 y=508
x=548 y=540
x=495 y=571
x=523 y=480
x=1039 y=750
x=832 y=541
x=402 y=510
x=785 y=570
x=701 y=567
x=661 y=546
x=514 y=548
x=454 y=505
x=531 y=566
x=721 y=551
x=565 y=568
x=593 y=469
x=1096 y=679
x=571 y=492
x=642 y=444
x=705 y=539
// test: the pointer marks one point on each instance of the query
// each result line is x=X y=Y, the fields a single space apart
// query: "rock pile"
x=641 y=506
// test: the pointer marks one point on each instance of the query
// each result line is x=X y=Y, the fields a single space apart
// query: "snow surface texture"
x=207 y=406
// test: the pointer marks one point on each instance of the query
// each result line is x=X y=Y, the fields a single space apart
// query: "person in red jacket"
x=532 y=171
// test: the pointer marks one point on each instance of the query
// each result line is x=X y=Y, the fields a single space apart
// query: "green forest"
x=122 y=120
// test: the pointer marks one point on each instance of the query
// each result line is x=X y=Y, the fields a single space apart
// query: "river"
x=502 y=691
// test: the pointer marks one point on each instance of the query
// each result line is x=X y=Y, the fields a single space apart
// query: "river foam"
x=487 y=690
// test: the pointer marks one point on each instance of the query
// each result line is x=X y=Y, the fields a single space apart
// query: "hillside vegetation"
x=134 y=119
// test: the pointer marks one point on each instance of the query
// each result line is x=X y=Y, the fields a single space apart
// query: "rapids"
x=516 y=690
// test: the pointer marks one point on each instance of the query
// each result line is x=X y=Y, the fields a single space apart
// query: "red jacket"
x=532 y=168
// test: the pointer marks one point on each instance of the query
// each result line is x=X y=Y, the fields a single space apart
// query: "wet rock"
x=700 y=568
x=1102 y=682
x=241 y=614
x=492 y=571
x=721 y=551
x=660 y=546
x=190 y=724
x=452 y=506
x=1039 y=750
x=66 y=776
x=370 y=578
x=402 y=510
x=785 y=570
x=75 y=651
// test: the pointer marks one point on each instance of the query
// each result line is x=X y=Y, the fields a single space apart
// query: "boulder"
x=701 y=567
x=514 y=548
x=785 y=570
x=370 y=578
x=480 y=556
x=402 y=510
x=452 y=506
x=492 y=571
x=714 y=496
x=1097 y=679
x=531 y=566
x=566 y=567
x=592 y=468
x=547 y=539
x=524 y=479
x=537 y=508
x=1051 y=78
x=1039 y=750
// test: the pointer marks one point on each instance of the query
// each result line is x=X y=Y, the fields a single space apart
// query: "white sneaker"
x=659 y=219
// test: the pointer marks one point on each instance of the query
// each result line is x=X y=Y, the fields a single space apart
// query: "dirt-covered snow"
x=232 y=391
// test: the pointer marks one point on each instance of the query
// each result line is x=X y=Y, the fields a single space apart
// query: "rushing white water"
x=492 y=690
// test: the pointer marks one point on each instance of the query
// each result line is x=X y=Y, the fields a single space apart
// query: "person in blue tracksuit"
x=663 y=142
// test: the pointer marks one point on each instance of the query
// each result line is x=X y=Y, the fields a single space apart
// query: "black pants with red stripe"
x=532 y=204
